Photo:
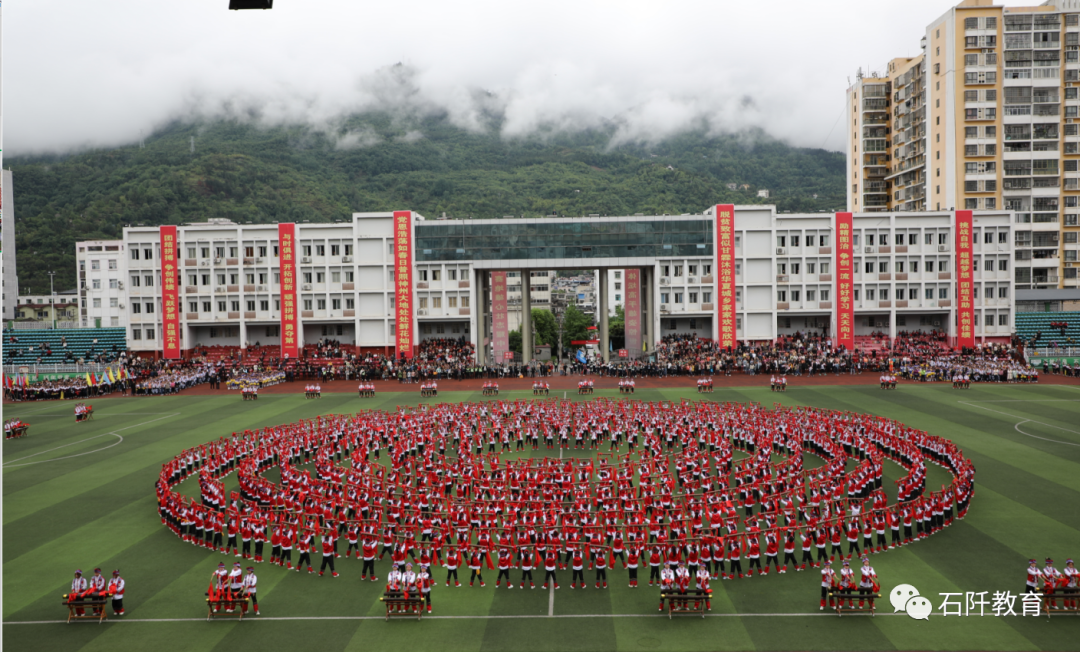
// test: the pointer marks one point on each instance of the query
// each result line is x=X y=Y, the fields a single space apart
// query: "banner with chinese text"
x=500 y=328
x=403 y=284
x=845 y=283
x=725 y=274
x=632 y=310
x=290 y=325
x=170 y=294
x=965 y=300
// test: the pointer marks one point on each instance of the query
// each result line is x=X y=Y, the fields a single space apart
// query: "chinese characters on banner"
x=499 y=326
x=170 y=300
x=965 y=305
x=725 y=274
x=403 y=283
x=290 y=330
x=632 y=311
x=845 y=275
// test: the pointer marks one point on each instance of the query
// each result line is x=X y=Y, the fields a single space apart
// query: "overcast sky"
x=80 y=74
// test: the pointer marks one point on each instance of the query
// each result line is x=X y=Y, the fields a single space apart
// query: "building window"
x=114 y=302
x=136 y=333
x=664 y=297
x=781 y=296
x=335 y=304
x=97 y=303
x=436 y=303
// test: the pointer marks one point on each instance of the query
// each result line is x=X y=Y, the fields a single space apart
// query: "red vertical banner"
x=725 y=274
x=965 y=301
x=845 y=280
x=403 y=284
x=500 y=328
x=170 y=294
x=632 y=310
x=290 y=328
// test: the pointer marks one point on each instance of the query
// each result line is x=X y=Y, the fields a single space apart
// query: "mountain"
x=374 y=162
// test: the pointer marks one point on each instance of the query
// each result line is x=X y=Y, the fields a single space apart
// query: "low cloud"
x=112 y=70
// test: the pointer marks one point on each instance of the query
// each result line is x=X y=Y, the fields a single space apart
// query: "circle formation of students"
x=443 y=484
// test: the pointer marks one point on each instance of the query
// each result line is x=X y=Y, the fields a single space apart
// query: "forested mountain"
x=250 y=173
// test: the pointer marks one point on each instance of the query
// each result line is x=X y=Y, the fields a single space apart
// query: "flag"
x=108 y=374
x=89 y=380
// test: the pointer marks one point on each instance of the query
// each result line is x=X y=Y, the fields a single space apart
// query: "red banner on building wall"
x=170 y=294
x=403 y=283
x=725 y=274
x=500 y=328
x=965 y=277
x=290 y=325
x=632 y=309
x=845 y=280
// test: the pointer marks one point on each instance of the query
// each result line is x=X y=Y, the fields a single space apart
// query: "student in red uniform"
x=504 y=568
x=632 y=560
x=453 y=560
x=476 y=560
x=828 y=583
x=654 y=566
x=551 y=563
x=577 y=566
x=328 y=555
x=527 y=564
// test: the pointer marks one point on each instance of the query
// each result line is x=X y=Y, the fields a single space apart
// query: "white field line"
x=120 y=440
x=1023 y=421
x=814 y=614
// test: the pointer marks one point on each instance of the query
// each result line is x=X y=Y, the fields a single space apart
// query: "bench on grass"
x=853 y=598
x=222 y=607
x=691 y=601
x=87 y=608
x=399 y=603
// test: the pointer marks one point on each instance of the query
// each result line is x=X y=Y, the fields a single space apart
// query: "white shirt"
x=250 y=582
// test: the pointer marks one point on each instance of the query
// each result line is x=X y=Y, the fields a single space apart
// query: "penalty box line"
x=814 y=614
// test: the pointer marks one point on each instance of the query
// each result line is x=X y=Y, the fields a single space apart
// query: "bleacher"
x=1028 y=324
x=867 y=344
x=80 y=344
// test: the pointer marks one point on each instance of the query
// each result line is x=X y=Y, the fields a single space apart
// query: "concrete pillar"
x=479 y=327
x=526 y=318
x=603 y=307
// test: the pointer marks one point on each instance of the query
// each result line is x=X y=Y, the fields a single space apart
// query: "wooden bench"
x=1060 y=595
x=17 y=432
x=397 y=604
x=225 y=608
x=854 y=597
x=690 y=602
x=85 y=416
x=88 y=605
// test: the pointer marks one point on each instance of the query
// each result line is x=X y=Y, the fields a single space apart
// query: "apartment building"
x=102 y=272
x=986 y=117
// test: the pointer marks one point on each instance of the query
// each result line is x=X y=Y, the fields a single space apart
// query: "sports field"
x=82 y=495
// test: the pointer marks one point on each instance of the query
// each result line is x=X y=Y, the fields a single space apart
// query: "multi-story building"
x=987 y=117
x=785 y=274
x=60 y=307
x=7 y=241
x=102 y=271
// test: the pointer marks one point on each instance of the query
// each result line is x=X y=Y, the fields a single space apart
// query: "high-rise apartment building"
x=987 y=117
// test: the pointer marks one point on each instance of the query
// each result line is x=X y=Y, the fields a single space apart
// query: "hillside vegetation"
x=249 y=173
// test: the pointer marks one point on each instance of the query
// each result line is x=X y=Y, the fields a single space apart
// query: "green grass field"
x=82 y=495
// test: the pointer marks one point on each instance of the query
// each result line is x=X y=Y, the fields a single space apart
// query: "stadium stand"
x=1030 y=324
x=57 y=346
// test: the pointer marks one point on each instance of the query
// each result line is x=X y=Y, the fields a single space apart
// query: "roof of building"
x=1065 y=294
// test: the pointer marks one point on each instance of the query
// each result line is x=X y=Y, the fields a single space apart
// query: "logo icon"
x=906 y=598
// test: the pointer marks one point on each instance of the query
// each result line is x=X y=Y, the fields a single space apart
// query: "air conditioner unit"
x=665 y=309
x=937 y=322
x=260 y=260
x=665 y=280
x=260 y=288
x=122 y=306
x=422 y=312
x=692 y=279
x=346 y=259
x=120 y=284
x=306 y=259
x=780 y=251
x=204 y=263
x=217 y=261
x=305 y=286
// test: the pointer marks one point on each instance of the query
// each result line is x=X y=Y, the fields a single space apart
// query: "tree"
x=515 y=341
x=617 y=329
x=575 y=326
x=547 y=330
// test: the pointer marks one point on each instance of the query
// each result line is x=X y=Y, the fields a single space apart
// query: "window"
x=306 y=276
x=943 y=293
x=914 y=267
x=422 y=275
x=307 y=304
x=335 y=250
x=95 y=264
x=795 y=268
x=435 y=273
x=95 y=284
x=678 y=297
x=136 y=308
x=134 y=254
x=262 y=251
x=868 y=268
x=320 y=250
x=149 y=333
x=664 y=296
x=693 y=297
x=811 y=295
x=824 y=267
x=436 y=303
x=781 y=268
x=781 y=296
x=1003 y=265
x=114 y=302
x=943 y=238
x=942 y=265
x=149 y=311
x=451 y=302
x=113 y=284
x=988 y=265
x=423 y=303
x=883 y=267
x=464 y=302
x=929 y=238
x=135 y=280
x=349 y=304
x=883 y=239
x=618 y=297
x=97 y=303
x=781 y=241
x=870 y=294
x=148 y=281
x=678 y=270
x=235 y=305
x=706 y=297
x=136 y=333
x=795 y=295
x=320 y=277
x=824 y=295
x=823 y=241
x=221 y=306
x=899 y=267
x=451 y=275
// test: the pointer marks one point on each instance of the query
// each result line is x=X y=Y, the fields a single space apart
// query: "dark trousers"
x=327 y=560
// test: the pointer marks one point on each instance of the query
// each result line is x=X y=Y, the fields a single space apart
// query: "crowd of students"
x=433 y=486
